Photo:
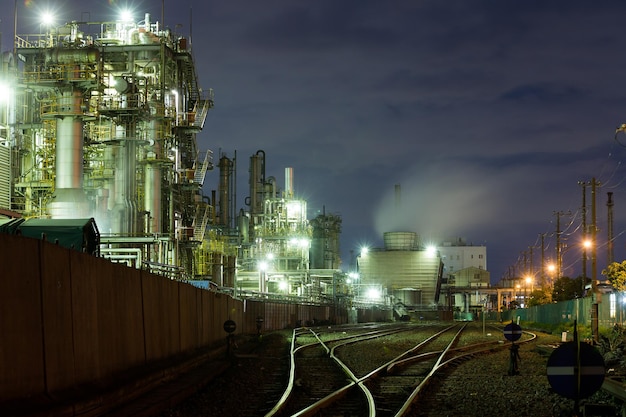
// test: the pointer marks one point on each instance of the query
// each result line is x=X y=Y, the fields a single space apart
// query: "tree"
x=616 y=274
x=566 y=288
x=539 y=297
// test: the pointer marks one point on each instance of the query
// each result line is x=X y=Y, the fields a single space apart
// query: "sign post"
x=576 y=370
x=513 y=332
x=229 y=327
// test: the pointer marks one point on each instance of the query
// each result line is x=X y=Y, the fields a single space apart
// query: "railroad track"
x=330 y=377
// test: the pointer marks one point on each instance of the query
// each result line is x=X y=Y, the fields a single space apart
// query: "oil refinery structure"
x=99 y=120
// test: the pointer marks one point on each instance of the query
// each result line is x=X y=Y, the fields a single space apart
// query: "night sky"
x=486 y=113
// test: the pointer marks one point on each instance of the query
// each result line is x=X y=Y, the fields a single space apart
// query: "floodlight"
x=373 y=294
x=431 y=250
x=126 y=15
x=47 y=18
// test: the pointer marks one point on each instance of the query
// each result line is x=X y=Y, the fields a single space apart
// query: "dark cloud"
x=486 y=113
x=544 y=93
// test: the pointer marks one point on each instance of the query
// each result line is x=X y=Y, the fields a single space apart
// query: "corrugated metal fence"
x=611 y=310
x=68 y=319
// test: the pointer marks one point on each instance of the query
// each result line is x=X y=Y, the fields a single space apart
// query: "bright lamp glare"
x=47 y=18
x=5 y=92
x=126 y=15
x=431 y=250
x=283 y=286
x=373 y=294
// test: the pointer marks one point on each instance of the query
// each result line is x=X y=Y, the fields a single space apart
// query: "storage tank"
x=400 y=240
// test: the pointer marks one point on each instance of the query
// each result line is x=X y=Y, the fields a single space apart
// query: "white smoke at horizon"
x=438 y=203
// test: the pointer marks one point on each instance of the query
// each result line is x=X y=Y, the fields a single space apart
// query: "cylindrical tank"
x=400 y=240
x=408 y=296
x=243 y=223
x=69 y=197
x=152 y=181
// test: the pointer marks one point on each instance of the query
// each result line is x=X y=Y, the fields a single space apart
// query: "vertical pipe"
x=289 y=182
x=152 y=179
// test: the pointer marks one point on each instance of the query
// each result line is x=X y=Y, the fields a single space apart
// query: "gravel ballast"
x=478 y=387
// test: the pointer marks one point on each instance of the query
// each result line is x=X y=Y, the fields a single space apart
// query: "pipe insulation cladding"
x=289 y=182
x=69 y=199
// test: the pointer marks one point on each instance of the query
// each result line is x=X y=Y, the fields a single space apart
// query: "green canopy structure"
x=78 y=234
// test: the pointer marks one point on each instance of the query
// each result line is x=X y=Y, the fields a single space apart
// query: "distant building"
x=403 y=272
x=456 y=255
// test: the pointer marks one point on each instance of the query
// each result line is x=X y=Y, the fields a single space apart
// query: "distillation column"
x=69 y=199
x=153 y=193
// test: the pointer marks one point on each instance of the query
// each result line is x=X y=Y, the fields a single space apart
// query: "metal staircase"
x=201 y=168
x=201 y=221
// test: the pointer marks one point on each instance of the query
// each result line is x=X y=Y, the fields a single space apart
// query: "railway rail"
x=325 y=369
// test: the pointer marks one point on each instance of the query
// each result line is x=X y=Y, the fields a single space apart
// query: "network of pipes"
x=101 y=123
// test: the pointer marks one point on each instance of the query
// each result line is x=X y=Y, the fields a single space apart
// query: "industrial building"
x=100 y=121
x=410 y=275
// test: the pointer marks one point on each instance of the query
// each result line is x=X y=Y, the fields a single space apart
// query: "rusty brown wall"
x=68 y=319
x=21 y=343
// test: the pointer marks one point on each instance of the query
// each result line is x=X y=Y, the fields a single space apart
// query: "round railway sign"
x=576 y=370
x=229 y=326
x=512 y=332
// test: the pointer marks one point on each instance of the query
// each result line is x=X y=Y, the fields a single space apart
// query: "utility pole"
x=594 y=261
x=543 y=261
x=609 y=210
x=583 y=184
x=559 y=244
x=594 y=239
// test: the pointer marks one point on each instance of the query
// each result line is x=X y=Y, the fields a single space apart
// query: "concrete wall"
x=70 y=320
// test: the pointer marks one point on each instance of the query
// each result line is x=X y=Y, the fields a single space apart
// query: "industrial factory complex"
x=98 y=152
